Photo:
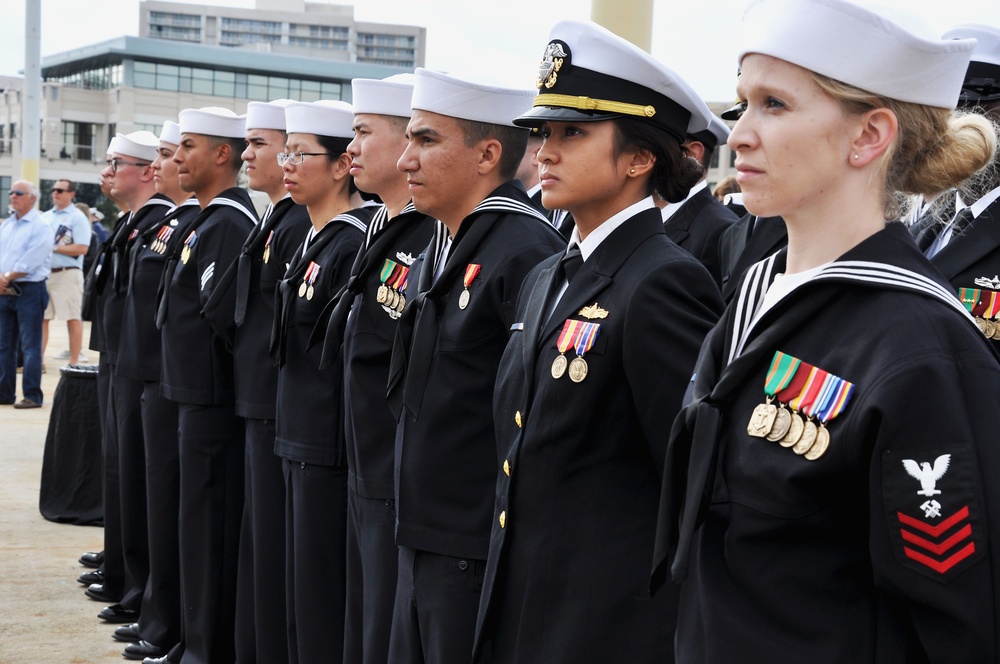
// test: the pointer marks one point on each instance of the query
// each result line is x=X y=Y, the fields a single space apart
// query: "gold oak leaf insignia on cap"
x=552 y=61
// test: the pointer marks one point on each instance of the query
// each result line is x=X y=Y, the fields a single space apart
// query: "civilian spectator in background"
x=728 y=185
x=71 y=233
x=25 y=252
x=97 y=224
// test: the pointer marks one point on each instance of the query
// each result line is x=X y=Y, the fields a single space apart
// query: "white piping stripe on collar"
x=379 y=220
x=750 y=298
x=505 y=204
x=351 y=220
x=157 y=201
x=187 y=202
x=234 y=204
x=861 y=271
x=881 y=272
x=440 y=241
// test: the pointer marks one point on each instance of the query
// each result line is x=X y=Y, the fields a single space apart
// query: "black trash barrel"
x=70 y=490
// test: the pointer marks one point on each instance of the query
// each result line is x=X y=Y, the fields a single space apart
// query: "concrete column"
x=32 y=110
x=630 y=19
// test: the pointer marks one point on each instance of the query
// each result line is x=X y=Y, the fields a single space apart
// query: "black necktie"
x=571 y=262
x=962 y=221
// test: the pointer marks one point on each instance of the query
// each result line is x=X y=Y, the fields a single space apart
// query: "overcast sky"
x=694 y=37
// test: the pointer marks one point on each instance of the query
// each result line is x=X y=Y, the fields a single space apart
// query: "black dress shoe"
x=116 y=613
x=95 y=591
x=92 y=559
x=90 y=578
x=143 y=650
x=127 y=633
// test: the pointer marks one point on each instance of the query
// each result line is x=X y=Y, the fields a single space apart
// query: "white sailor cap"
x=388 y=96
x=857 y=46
x=588 y=73
x=982 y=78
x=171 y=133
x=267 y=115
x=138 y=144
x=467 y=97
x=113 y=145
x=213 y=121
x=716 y=134
x=323 y=118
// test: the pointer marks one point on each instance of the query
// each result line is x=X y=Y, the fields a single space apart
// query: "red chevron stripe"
x=944 y=565
x=938 y=549
x=934 y=531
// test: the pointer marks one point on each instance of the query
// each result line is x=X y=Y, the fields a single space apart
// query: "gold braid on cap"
x=589 y=104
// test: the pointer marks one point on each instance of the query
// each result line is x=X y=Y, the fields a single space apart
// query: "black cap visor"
x=539 y=115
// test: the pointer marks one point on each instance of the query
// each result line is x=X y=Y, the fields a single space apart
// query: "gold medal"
x=392 y=299
x=996 y=331
x=310 y=292
x=819 y=447
x=762 y=419
x=463 y=299
x=809 y=434
x=578 y=369
x=302 y=289
x=990 y=329
x=559 y=366
x=402 y=303
x=980 y=323
x=185 y=254
x=795 y=429
x=267 y=253
x=382 y=294
x=781 y=426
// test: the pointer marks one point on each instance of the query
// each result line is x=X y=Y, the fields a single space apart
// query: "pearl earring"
x=857 y=156
x=632 y=171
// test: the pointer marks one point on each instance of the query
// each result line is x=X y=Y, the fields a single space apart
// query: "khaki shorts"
x=65 y=295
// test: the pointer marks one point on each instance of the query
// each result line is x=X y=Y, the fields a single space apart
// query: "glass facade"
x=237 y=85
x=100 y=78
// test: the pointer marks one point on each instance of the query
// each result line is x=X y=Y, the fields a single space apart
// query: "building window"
x=5 y=187
x=170 y=18
x=177 y=27
x=77 y=141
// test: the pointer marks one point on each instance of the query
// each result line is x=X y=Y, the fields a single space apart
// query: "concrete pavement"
x=44 y=616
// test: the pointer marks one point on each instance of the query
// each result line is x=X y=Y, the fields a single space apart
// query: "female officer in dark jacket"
x=596 y=366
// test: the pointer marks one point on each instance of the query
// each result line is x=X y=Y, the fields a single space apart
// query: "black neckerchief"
x=418 y=326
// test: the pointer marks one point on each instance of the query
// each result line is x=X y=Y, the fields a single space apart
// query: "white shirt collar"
x=980 y=205
x=599 y=234
x=674 y=207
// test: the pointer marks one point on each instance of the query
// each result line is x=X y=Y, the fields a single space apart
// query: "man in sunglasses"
x=71 y=232
x=25 y=253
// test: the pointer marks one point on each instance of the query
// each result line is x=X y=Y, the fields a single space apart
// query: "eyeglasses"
x=115 y=163
x=296 y=158
x=18 y=192
x=59 y=191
